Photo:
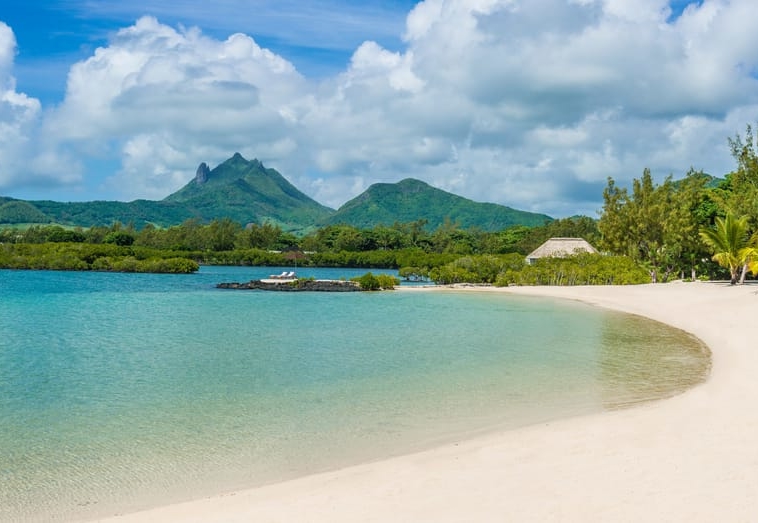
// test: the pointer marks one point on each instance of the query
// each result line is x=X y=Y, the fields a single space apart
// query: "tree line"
x=224 y=235
x=683 y=227
x=688 y=228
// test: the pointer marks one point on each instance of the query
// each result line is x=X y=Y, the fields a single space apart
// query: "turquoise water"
x=123 y=391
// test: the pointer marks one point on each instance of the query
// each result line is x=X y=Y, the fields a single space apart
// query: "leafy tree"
x=389 y=238
x=368 y=282
x=417 y=232
x=387 y=281
x=121 y=238
x=410 y=273
x=221 y=234
x=656 y=225
x=633 y=224
x=690 y=210
x=739 y=195
x=730 y=243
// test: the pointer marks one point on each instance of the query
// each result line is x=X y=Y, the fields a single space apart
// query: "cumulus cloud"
x=531 y=104
x=163 y=100
x=18 y=115
x=534 y=104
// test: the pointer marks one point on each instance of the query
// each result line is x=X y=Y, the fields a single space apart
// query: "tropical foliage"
x=731 y=245
x=696 y=227
x=84 y=257
x=372 y=282
x=674 y=226
x=656 y=225
x=512 y=269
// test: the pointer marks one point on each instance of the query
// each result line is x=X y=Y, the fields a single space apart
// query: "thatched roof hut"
x=560 y=248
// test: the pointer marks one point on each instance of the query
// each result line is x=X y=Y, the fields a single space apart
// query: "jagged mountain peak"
x=201 y=175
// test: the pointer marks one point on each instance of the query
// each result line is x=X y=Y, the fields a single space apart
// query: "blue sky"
x=530 y=104
x=317 y=36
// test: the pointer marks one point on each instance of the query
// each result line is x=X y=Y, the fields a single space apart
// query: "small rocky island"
x=295 y=285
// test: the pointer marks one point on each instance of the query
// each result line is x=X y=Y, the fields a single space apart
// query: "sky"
x=527 y=103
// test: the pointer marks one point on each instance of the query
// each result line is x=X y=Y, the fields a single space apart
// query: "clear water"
x=123 y=391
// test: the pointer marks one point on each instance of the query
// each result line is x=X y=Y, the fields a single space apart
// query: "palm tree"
x=730 y=243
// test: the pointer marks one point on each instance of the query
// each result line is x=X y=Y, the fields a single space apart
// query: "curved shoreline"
x=692 y=457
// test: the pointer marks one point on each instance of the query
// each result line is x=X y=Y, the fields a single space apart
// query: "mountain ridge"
x=411 y=199
x=248 y=192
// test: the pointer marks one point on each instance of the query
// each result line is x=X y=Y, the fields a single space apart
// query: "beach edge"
x=687 y=457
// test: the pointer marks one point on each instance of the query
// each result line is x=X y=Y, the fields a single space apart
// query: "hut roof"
x=561 y=247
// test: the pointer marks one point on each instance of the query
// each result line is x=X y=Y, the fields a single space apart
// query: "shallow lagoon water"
x=124 y=391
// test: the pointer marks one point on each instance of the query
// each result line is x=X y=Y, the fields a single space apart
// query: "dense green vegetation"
x=225 y=242
x=410 y=200
x=244 y=191
x=83 y=257
x=371 y=282
x=247 y=192
x=695 y=227
x=683 y=227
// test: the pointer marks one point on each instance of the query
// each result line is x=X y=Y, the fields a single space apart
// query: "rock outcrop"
x=294 y=286
x=201 y=175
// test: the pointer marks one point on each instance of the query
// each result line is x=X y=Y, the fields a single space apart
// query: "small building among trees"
x=560 y=248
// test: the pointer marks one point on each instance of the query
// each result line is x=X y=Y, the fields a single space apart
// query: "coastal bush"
x=119 y=238
x=127 y=264
x=511 y=269
x=482 y=269
x=104 y=263
x=450 y=273
x=413 y=273
x=58 y=234
x=387 y=281
x=301 y=282
x=168 y=266
x=368 y=282
x=580 y=269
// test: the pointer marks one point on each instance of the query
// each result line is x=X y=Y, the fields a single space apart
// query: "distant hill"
x=86 y=214
x=410 y=200
x=247 y=192
x=19 y=211
x=711 y=182
x=244 y=191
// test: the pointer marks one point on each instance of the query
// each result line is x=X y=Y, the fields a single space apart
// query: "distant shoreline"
x=689 y=458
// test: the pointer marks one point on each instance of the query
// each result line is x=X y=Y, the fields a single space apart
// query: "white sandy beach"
x=689 y=458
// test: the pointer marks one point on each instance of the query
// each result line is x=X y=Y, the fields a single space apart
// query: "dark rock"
x=201 y=175
x=294 y=286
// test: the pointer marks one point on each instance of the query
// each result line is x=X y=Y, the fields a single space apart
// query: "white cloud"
x=18 y=116
x=527 y=103
x=164 y=100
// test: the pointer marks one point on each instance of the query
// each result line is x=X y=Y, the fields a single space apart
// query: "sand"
x=693 y=457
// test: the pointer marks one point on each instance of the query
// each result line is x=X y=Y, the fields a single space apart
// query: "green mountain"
x=19 y=211
x=246 y=191
x=410 y=200
x=86 y=214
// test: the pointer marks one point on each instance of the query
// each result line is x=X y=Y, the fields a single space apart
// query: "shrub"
x=368 y=282
x=387 y=281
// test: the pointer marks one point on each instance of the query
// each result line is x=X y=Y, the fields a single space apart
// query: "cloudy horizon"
x=526 y=104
